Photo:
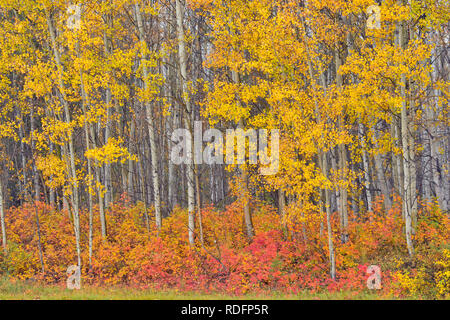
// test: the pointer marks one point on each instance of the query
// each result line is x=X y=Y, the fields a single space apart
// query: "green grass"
x=21 y=290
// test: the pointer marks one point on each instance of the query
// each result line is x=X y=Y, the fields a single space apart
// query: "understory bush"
x=285 y=257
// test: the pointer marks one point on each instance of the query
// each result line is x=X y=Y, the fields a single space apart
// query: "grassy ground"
x=20 y=290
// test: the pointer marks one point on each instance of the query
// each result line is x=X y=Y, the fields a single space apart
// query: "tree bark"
x=407 y=196
x=72 y=169
x=2 y=221
x=187 y=119
x=151 y=126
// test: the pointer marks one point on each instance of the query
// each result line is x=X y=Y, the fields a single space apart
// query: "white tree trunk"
x=187 y=118
x=2 y=221
x=407 y=181
x=72 y=168
x=151 y=127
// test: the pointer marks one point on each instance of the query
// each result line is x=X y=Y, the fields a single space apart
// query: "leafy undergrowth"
x=23 y=290
x=290 y=263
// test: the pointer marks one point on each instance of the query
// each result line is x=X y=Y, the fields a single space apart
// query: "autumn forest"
x=348 y=98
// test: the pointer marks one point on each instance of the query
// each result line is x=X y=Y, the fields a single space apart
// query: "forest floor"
x=21 y=290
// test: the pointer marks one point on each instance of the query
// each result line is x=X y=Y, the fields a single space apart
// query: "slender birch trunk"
x=130 y=186
x=407 y=197
x=322 y=161
x=151 y=124
x=108 y=100
x=343 y=165
x=244 y=178
x=2 y=221
x=89 y=164
x=182 y=56
x=329 y=226
x=71 y=151
x=23 y=158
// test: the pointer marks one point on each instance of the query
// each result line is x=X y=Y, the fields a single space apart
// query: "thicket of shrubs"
x=280 y=259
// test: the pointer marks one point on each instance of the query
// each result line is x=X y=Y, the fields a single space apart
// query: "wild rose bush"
x=285 y=258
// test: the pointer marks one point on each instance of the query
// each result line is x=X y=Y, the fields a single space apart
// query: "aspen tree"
x=182 y=56
x=150 y=120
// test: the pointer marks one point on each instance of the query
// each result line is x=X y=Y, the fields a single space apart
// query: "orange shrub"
x=286 y=261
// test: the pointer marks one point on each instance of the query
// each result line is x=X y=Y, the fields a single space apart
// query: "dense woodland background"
x=87 y=116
